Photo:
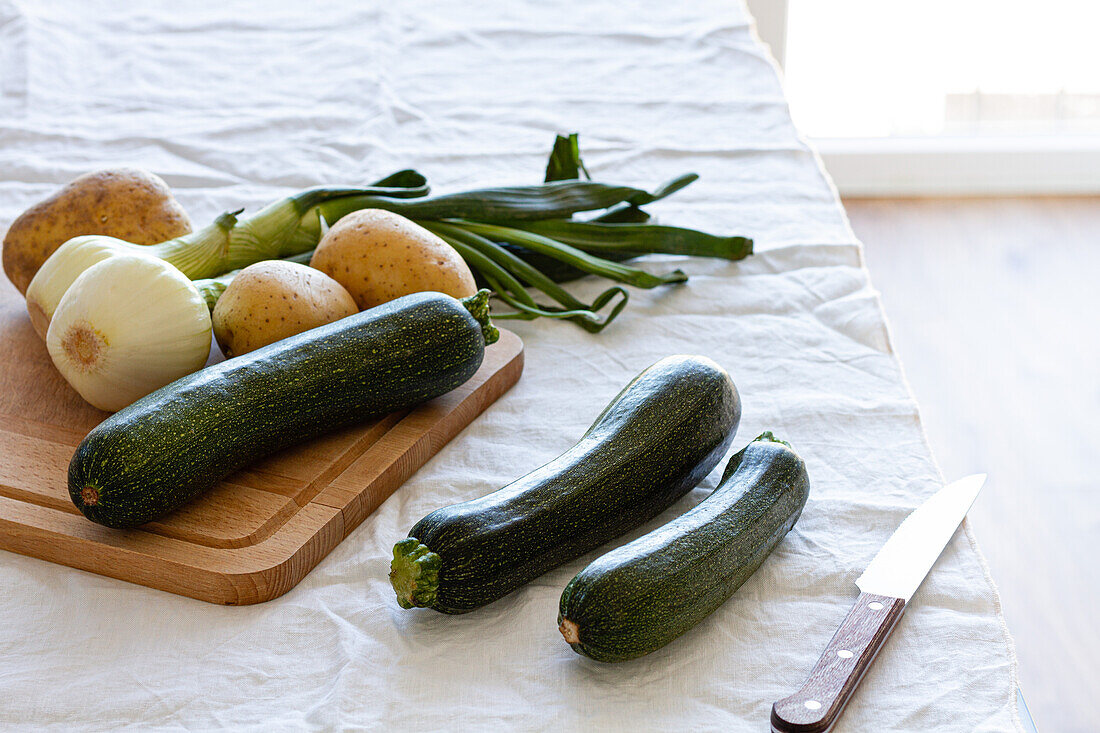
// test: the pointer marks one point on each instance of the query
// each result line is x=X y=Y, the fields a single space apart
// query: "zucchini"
x=656 y=440
x=639 y=597
x=151 y=457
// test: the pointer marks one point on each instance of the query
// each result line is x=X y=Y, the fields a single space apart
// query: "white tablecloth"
x=236 y=104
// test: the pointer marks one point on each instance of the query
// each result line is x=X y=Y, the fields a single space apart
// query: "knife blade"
x=885 y=587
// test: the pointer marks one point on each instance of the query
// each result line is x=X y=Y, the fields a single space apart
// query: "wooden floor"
x=995 y=312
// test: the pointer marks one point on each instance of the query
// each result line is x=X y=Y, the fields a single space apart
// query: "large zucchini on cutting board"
x=171 y=445
x=656 y=440
x=639 y=597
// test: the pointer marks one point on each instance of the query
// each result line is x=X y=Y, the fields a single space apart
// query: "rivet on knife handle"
x=816 y=706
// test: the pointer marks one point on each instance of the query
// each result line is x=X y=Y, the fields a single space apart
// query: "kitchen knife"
x=885 y=587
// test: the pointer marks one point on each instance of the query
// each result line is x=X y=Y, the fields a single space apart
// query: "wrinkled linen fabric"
x=235 y=104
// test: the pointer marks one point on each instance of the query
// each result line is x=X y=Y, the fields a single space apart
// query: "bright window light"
x=876 y=68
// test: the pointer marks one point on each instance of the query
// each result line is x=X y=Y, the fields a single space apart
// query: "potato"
x=128 y=203
x=378 y=256
x=273 y=300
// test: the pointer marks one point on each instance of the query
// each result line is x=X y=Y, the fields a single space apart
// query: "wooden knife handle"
x=817 y=705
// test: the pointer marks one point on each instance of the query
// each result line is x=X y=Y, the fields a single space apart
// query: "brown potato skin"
x=273 y=300
x=378 y=256
x=128 y=203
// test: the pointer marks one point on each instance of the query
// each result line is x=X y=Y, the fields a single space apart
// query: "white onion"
x=62 y=268
x=126 y=327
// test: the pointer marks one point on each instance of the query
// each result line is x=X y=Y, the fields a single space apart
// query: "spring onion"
x=496 y=266
x=544 y=246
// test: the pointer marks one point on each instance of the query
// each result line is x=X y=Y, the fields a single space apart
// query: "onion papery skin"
x=126 y=327
x=62 y=268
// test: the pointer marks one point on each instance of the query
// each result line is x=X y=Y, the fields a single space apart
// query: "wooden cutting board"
x=255 y=535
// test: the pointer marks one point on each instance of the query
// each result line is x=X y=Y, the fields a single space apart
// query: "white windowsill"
x=979 y=165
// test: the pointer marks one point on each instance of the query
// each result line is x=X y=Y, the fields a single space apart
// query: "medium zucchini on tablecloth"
x=656 y=440
x=639 y=597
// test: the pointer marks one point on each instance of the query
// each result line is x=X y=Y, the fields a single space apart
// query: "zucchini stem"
x=768 y=437
x=414 y=573
x=478 y=305
x=735 y=460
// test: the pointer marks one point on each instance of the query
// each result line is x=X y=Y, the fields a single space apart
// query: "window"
x=971 y=96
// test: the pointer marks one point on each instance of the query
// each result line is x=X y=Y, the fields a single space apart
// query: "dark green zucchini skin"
x=659 y=437
x=639 y=597
x=156 y=454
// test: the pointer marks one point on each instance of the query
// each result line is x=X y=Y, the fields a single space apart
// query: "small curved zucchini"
x=656 y=440
x=151 y=457
x=639 y=597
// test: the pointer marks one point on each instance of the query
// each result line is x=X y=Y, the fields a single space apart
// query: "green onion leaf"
x=571 y=255
x=497 y=266
x=565 y=160
x=600 y=237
